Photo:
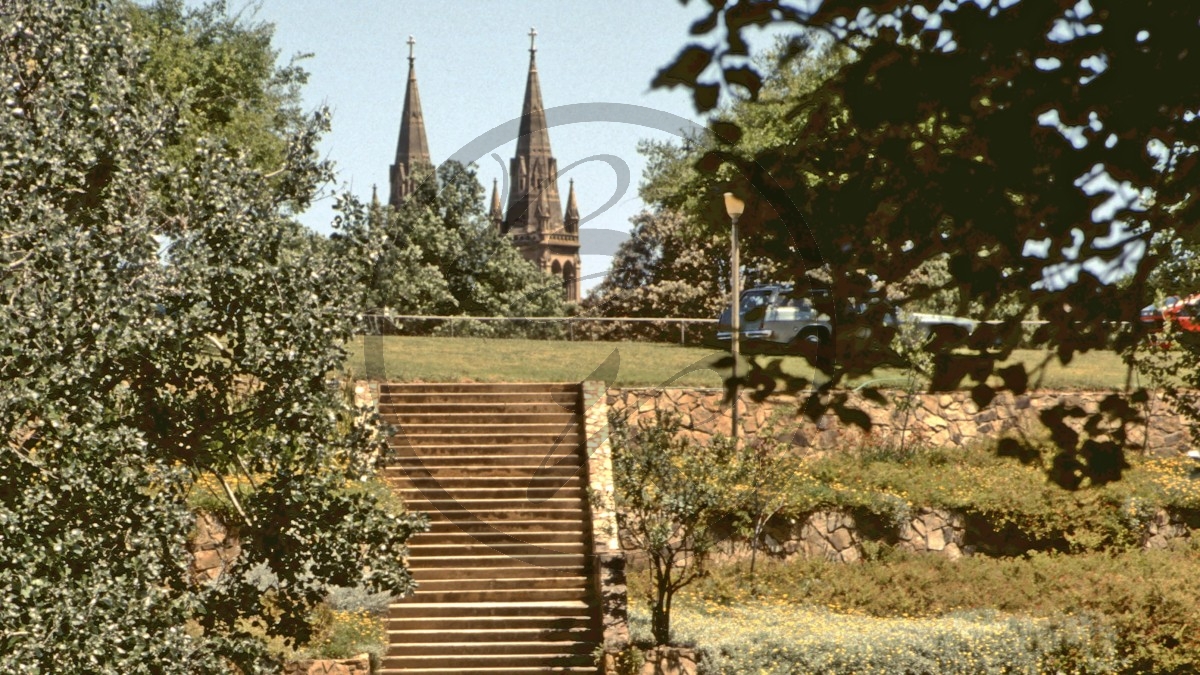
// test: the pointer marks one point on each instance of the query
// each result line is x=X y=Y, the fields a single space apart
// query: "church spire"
x=534 y=217
x=534 y=169
x=496 y=214
x=571 y=218
x=412 y=149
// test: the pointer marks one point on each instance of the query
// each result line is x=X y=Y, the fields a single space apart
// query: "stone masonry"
x=609 y=575
x=946 y=419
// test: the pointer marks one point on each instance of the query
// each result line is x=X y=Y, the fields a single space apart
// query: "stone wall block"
x=359 y=665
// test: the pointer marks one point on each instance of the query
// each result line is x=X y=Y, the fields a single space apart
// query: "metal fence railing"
x=658 y=329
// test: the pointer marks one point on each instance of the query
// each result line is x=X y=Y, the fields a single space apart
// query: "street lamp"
x=734 y=207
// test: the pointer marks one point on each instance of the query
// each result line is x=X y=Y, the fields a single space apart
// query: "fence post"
x=570 y=330
x=682 y=337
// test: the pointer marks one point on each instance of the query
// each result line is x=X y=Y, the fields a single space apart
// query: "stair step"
x=467 y=661
x=528 y=496
x=507 y=647
x=503 y=670
x=469 y=481
x=514 y=570
x=473 y=387
x=564 y=609
x=497 y=518
x=547 y=446
x=513 y=595
x=513 y=407
x=407 y=417
x=412 y=463
x=536 y=583
x=564 y=441
x=431 y=498
x=496 y=428
x=492 y=635
x=462 y=624
x=549 y=561
x=420 y=550
x=536 y=538
x=568 y=401
x=515 y=527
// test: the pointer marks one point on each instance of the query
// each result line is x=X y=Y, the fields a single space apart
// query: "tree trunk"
x=660 y=620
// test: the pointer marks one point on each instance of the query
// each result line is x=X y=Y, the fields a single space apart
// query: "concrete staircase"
x=505 y=571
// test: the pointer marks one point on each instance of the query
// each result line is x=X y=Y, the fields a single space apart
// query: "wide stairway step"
x=504 y=574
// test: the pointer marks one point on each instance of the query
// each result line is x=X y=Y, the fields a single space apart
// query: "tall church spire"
x=412 y=149
x=534 y=218
x=534 y=170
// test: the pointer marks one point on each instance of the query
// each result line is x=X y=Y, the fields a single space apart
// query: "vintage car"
x=777 y=319
x=1184 y=313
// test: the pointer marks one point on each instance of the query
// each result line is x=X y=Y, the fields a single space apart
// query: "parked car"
x=1184 y=313
x=777 y=319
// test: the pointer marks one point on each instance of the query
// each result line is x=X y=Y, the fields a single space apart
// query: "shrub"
x=1146 y=598
x=341 y=634
x=779 y=638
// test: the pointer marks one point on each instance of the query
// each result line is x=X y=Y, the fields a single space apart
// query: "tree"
x=130 y=377
x=220 y=71
x=670 y=490
x=438 y=254
x=661 y=271
x=1032 y=146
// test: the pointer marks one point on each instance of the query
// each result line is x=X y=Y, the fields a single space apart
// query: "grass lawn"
x=444 y=359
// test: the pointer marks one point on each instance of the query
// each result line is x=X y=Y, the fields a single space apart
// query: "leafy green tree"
x=439 y=254
x=669 y=492
x=1036 y=147
x=130 y=376
x=661 y=270
x=220 y=72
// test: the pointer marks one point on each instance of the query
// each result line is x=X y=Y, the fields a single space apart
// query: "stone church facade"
x=534 y=218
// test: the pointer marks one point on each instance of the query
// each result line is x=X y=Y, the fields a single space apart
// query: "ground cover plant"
x=1141 y=602
x=781 y=638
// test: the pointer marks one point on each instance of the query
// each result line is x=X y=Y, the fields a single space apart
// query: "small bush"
x=780 y=638
x=342 y=634
x=1145 y=598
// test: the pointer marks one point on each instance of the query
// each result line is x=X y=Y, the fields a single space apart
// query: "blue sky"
x=472 y=58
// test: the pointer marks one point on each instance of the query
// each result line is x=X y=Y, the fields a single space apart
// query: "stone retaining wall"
x=947 y=419
x=214 y=547
x=609 y=568
x=358 y=665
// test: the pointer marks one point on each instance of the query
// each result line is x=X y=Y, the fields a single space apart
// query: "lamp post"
x=734 y=207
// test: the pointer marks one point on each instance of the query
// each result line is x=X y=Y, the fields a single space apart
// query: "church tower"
x=412 y=149
x=534 y=218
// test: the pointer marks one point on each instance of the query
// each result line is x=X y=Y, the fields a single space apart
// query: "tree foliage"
x=220 y=73
x=131 y=377
x=671 y=490
x=1035 y=147
x=438 y=254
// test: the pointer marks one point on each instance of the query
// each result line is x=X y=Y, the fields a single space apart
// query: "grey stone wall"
x=946 y=419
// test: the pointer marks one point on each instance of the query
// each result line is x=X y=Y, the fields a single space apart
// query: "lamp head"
x=734 y=206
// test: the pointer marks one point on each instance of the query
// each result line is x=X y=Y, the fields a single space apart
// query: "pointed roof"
x=572 y=214
x=412 y=148
x=496 y=213
x=534 y=138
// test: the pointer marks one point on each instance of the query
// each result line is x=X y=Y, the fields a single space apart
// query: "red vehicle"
x=1184 y=313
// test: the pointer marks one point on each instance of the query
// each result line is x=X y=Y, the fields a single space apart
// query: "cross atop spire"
x=532 y=38
x=411 y=44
